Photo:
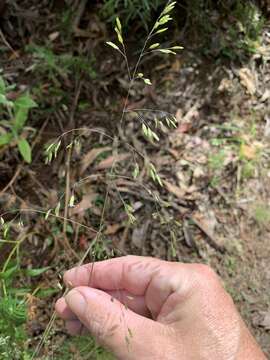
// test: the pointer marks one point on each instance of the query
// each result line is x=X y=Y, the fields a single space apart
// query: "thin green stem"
x=8 y=241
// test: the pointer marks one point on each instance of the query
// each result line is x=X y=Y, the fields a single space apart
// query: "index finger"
x=131 y=273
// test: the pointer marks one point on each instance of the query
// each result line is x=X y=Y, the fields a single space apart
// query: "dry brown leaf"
x=52 y=198
x=266 y=321
x=112 y=229
x=192 y=112
x=184 y=127
x=198 y=172
x=248 y=151
x=139 y=235
x=85 y=204
x=225 y=85
x=53 y=36
x=90 y=157
x=207 y=226
x=265 y=96
x=179 y=115
x=247 y=80
x=207 y=220
x=107 y=163
x=161 y=161
x=174 y=153
x=83 y=243
x=267 y=127
x=175 y=190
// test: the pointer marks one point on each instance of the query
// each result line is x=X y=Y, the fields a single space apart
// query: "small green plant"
x=216 y=161
x=235 y=145
x=83 y=345
x=15 y=302
x=231 y=264
x=248 y=169
x=13 y=118
x=226 y=29
x=53 y=65
x=262 y=214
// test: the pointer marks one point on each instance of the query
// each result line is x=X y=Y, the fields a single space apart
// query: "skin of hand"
x=145 y=308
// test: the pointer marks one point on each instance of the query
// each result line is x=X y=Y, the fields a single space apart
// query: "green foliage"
x=221 y=28
x=216 y=161
x=83 y=345
x=13 y=117
x=130 y=10
x=262 y=214
x=53 y=65
x=231 y=264
x=248 y=169
x=14 y=301
x=13 y=316
x=231 y=31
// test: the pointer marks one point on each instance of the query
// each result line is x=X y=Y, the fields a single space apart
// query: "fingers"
x=129 y=273
x=134 y=303
x=153 y=279
x=75 y=327
x=116 y=327
x=63 y=310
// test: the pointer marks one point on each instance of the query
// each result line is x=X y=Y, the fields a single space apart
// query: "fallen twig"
x=209 y=237
x=11 y=182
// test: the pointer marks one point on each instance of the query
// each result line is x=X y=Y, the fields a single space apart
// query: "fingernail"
x=76 y=302
x=68 y=274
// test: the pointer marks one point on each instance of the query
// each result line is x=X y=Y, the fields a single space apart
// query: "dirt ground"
x=215 y=166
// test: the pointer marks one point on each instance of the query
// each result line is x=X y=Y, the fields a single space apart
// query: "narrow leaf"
x=57 y=148
x=5 y=101
x=25 y=102
x=155 y=136
x=177 y=47
x=164 y=19
x=36 y=272
x=9 y=273
x=118 y=24
x=169 y=8
x=21 y=115
x=48 y=214
x=154 y=46
x=6 y=230
x=57 y=209
x=136 y=171
x=159 y=180
x=161 y=31
x=25 y=150
x=145 y=130
x=71 y=201
x=166 y=51
x=112 y=45
x=43 y=293
x=119 y=36
x=2 y=86
x=5 y=139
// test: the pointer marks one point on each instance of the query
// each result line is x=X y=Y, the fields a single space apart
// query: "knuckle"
x=206 y=272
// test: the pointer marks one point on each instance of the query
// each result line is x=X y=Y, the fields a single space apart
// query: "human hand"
x=145 y=308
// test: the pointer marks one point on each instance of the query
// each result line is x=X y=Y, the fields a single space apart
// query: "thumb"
x=126 y=334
